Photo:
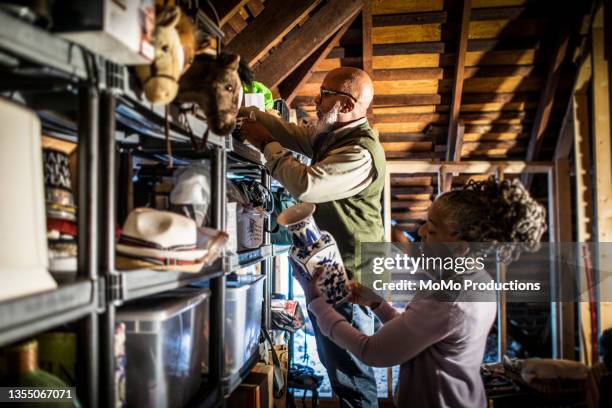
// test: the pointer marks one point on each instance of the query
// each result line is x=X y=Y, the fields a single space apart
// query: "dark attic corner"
x=303 y=203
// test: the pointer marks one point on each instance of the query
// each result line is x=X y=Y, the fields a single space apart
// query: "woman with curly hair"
x=440 y=343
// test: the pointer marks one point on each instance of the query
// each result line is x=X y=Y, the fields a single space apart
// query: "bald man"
x=344 y=179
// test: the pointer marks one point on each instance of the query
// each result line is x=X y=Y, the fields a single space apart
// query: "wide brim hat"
x=149 y=233
x=126 y=263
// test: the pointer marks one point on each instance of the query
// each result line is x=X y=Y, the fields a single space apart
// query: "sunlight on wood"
x=404 y=109
x=516 y=57
x=405 y=61
x=406 y=34
x=400 y=127
x=405 y=6
x=406 y=87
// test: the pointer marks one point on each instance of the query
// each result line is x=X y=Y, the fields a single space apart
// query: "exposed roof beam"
x=547 y=99
x=429 y=17
x=458 y=145
x=314 y=32
x=271 y=25
x=289 y=87
x=227 y=8
x=455 y=105
x=471 y=167
x=436 y=99
x=440 y=17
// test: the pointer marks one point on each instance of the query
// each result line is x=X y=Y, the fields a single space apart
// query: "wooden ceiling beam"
x=429 y=17
x=410 y=117
x=407 y=99
x=414 y=155
x=436 y=99
x=226 y=9
x=457 y=89
x=271 y=25
x=314 y=32
x=405 y=137
x=547 y=98
x=507 y=13
x=472 y=167
x=289 y=87
x=440 y=17
x=400 y=74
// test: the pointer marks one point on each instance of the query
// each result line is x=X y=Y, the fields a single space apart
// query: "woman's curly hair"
x=499 y=213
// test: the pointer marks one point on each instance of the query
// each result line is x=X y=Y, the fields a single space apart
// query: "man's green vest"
x=358 y=218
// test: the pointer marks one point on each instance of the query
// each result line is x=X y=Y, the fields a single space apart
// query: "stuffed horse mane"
x=214 y=85
x=175 y=49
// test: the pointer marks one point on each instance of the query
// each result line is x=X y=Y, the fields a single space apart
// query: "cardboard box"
x=254 y=391
x=268 y=371
x=119 y=30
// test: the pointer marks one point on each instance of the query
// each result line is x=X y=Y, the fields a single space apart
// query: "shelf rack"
x=61 y=76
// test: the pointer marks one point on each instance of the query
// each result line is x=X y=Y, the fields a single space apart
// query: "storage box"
x=243 y=311
x=120 y=30
x=166 y=345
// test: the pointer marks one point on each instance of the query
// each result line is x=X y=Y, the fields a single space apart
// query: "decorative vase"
x=314 y=249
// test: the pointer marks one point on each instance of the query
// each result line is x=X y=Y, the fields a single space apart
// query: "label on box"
x=231 y=228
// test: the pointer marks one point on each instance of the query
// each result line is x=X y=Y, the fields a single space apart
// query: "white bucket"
x=250 y=227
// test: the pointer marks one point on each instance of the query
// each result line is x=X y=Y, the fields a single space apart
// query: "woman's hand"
x=310 y=286
x=362 y=295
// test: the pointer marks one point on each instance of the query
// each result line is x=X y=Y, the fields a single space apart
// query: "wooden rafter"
x=455 y=106
x=547 y=96
x=314 y=32
x=226 y=9
x=565 y=143
x=271 y=25
x=289 y=87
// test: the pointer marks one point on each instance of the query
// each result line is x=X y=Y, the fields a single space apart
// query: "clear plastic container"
x=166 y=346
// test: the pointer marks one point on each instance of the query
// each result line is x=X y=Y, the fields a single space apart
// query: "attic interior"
x=466 y=94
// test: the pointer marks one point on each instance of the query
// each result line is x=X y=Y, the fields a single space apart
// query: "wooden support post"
x=584 y=191
x=553 y=274
x=458 y=81
x=562 y=238
x=502 y=314
x=602 y=160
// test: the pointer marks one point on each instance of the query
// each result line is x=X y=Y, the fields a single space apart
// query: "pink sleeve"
x=385 y=312
x=421 y=325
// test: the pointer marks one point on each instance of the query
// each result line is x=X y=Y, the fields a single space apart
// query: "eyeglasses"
x=325 y=92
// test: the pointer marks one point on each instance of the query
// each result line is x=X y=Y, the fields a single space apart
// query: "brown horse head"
x=175 y=44
x=215 y=86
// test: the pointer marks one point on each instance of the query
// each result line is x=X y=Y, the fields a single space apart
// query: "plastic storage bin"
x=243 y=311
x=166 y=346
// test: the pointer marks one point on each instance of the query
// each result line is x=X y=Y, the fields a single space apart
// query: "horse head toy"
x=175 y=45
x=214 y=85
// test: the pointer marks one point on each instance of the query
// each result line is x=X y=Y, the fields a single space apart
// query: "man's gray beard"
x=328 y=119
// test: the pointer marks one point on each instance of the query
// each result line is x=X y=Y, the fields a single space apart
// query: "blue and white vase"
x=314 y=249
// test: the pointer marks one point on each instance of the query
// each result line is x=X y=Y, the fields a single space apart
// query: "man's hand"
x=362 y=295
x=256 y=133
